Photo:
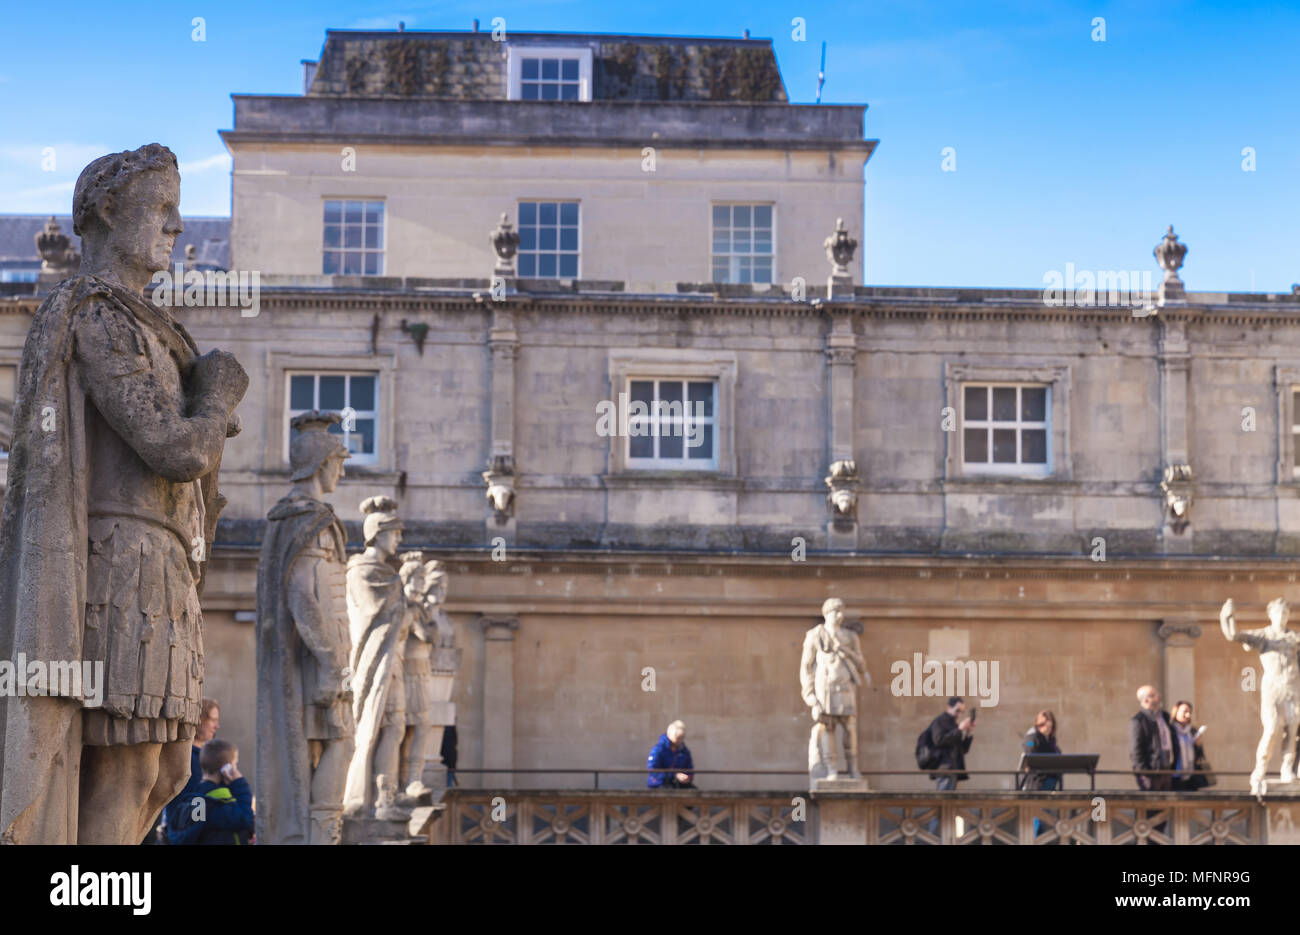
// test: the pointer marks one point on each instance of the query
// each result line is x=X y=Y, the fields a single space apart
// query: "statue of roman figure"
x=830 y=672
x=378 y=624
x=1279 y=689
x=304 y=698
x=425 y=587
x=119 y=427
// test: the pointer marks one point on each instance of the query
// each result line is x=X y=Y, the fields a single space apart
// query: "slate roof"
x=211 y=237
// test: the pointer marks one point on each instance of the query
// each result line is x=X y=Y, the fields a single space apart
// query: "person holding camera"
x=950 y=736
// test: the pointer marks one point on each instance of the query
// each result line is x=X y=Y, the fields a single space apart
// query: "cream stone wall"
x=649 y=230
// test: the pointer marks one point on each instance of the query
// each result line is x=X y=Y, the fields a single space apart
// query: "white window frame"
x=1054 y=375
x=732 y=257
x=1017 y=468
x=630 y=364
x=357 y=457
x=655 y=420
x=275 y=453
x=557 y=251
x=363 y=250
x=515 y=55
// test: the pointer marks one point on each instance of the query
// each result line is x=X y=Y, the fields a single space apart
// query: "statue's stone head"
x=833 y=612
x=1279 y=612
x=315 y=450
x=382 y=527
x=128 y=204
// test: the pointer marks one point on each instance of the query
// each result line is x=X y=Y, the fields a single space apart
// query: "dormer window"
x=549 y=73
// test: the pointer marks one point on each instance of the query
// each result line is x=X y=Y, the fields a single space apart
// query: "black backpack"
x=927 y=757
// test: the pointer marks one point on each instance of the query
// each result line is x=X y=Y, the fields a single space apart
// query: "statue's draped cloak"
x=376 y=608
x=283 y=759
x=43 y=551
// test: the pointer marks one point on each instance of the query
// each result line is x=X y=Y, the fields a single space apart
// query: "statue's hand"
x=1226 y=621
x=218 y=375
x=817 y=713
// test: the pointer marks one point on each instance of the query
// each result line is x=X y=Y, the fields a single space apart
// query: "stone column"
x=504 y=343
x=1173 y=363
x=499 y=698
x=1179 y=637
x=841 y=355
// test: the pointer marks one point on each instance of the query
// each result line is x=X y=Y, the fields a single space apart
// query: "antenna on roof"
x=821 y=74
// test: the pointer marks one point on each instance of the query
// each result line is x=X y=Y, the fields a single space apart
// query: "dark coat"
x=1144 y=750
x=1037 y=743
x=663 y=756
x=949 y=743
x=1201 y=764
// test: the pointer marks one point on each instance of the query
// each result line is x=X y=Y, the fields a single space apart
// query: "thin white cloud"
x=218 y=161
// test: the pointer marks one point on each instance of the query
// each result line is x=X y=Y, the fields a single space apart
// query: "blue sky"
x=1068 y=150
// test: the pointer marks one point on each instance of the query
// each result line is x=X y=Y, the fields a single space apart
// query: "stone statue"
x=378 y=623
x=830 y=673
x=304 y=697
x=118 y=432
x=422 y=581
x=1279 y=689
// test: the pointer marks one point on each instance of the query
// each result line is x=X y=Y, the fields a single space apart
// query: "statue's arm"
x=119 y=377
x=314 y=627
x=808 y=672
x=1255 y=639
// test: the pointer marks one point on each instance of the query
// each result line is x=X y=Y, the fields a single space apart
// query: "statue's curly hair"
x=101 y=181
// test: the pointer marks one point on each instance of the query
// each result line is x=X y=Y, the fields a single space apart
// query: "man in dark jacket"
x=951 y=735
x=221 y=811
x=1150 y=742
x=670 y=753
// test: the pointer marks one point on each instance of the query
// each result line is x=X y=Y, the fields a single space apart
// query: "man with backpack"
x=945 y=743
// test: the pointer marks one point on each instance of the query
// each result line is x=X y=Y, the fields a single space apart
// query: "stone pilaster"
x=1179 y=637
x=1176 y=533
x=499 y=698
x=503 y=341
x=841 y=358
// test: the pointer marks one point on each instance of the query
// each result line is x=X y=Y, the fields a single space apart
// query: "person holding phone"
x=1189 y=755
x=221 y=810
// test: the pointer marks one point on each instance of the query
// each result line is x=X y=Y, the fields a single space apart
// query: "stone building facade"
x=1057 y=496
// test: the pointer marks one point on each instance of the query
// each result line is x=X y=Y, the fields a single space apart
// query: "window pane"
x=371 y=266
x=762 y=241
x=1004 y=405
x=352 y=236
x=330 y=264
x=720 y=270
x=302 y=391
x=1033 y=443
x=740 y=215
x=762 y=270
x=568 y=92
x=547 y=238
x=529 y=69
x=351 y=264
x=740 y=241
x=721 y=216
x=640 y=446
x=527 y=212
x=546 y=212
x=722 y=241
x=568 y=238
x=569 y=213
x=363 y=439
x=528 y=238
x=354 y=212
x=374 y=212
x=372 y=238
x=528 y=92
x=333 y=235
x=701 y=392
x=546 y=265
x=363 y=393
x=643 y=391
x=1033 y=403
x=670 y=391
x=762 y=215
x=670 y=445
x=332 y=391
x=1295 y=408
x=977 y=403
x=1004 y=446
x=550 y=69
x=569 y=69
x=528 y=265
x=550 y=92
x=568 y=266
x=976 y=444
x=703 y=441
x=333 y=212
